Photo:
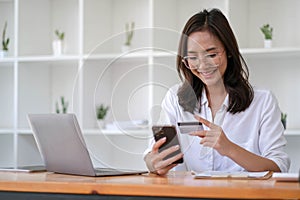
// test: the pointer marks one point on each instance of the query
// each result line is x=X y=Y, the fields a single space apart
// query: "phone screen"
x=171 y=139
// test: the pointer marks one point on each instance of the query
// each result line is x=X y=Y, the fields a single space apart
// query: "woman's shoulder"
x=261 y=92
x=174 y=89
x=263 y=95
x=171 y=97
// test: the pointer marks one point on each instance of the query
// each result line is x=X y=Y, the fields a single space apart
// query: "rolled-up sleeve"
x=271 y=139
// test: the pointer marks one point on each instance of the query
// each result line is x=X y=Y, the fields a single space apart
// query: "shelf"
x=136 y=53
x=7 y=60
x=127 y=55
x=136 y=133
x=292 y=132
x=282 y=51
x=6 y=131
x=24 y=132
x=51 y=58
x=42 y=58
x=48 y=58
x=140 y=132
x=132 y=83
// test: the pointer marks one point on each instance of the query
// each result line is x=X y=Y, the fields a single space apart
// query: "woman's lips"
x=209 y=72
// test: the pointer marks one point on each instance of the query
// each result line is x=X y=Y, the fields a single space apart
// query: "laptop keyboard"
x=108 y=171
x=111 y=172
x=105 y=170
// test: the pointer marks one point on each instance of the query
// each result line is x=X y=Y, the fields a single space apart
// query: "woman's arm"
x=249 y=160
x=216 y=139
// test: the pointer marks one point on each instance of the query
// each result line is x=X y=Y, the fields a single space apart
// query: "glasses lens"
x=193 y=62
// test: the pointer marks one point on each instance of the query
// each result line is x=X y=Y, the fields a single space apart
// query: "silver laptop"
x=62 y=146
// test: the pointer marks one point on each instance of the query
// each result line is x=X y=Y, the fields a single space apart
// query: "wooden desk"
x=174 y=185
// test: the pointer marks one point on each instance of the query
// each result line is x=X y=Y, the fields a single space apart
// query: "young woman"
x=242 y=126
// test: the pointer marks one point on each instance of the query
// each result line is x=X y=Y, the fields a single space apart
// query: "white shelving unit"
x=93 y=69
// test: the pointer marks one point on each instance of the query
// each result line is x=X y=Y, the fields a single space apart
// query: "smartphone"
x=170 y=133
x=188 y=127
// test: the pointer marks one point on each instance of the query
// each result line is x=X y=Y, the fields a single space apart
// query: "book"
x=286 y=177
x=232 y=175
x=35 y=168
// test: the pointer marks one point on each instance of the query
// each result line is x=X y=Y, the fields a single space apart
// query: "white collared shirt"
x=258 y=129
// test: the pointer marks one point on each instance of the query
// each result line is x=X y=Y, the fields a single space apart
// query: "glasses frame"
x=205 y=58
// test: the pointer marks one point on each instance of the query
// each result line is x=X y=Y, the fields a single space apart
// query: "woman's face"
x=206 y=58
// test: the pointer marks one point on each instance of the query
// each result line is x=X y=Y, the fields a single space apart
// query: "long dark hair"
x=236 y=75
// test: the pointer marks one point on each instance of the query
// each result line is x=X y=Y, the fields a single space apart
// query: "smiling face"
x=211 y=55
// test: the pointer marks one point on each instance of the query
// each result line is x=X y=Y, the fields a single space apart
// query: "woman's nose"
x=203 y=65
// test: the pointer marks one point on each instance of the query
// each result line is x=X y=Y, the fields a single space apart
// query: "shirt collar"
x=204 y=100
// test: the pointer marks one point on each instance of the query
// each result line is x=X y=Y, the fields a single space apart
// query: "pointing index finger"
x=203 y=121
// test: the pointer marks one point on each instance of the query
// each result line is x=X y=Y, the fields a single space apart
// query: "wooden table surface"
x=175 y=184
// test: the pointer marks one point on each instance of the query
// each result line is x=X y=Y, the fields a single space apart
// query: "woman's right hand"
x=155 y=160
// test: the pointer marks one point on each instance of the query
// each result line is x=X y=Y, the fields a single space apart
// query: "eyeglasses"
x=208 y=59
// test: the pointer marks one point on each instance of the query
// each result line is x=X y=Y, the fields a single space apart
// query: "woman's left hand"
x=214 y=137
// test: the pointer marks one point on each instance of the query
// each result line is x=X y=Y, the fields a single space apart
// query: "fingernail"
x=176 y=147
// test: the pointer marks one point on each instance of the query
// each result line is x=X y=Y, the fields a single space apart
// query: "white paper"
x=223 y=174
x=286 y=176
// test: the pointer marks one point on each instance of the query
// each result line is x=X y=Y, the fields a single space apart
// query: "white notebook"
x=34 y=168
x=288 y=177
x=237 y=175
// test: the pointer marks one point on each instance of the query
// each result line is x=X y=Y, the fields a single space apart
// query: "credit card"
x=188 y=127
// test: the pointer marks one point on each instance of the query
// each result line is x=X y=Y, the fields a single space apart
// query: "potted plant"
x=283 y=119
x=58 y=43
x=129 y=30
x=267 y=30
x=64 y=106
x=101 y=112
x=5 y=42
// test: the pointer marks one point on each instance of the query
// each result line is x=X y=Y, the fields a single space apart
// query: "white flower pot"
x=57 y=46
x=268 y=44
x=101 y=124
x=125 y=48
x=3 y=53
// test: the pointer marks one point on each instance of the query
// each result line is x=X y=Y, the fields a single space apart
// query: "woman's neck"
x=216 y=97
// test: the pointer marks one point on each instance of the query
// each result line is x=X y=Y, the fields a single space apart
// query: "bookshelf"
x=93 y=69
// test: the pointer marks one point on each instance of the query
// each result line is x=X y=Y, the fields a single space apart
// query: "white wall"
x=280 y=75
x=247 y=16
